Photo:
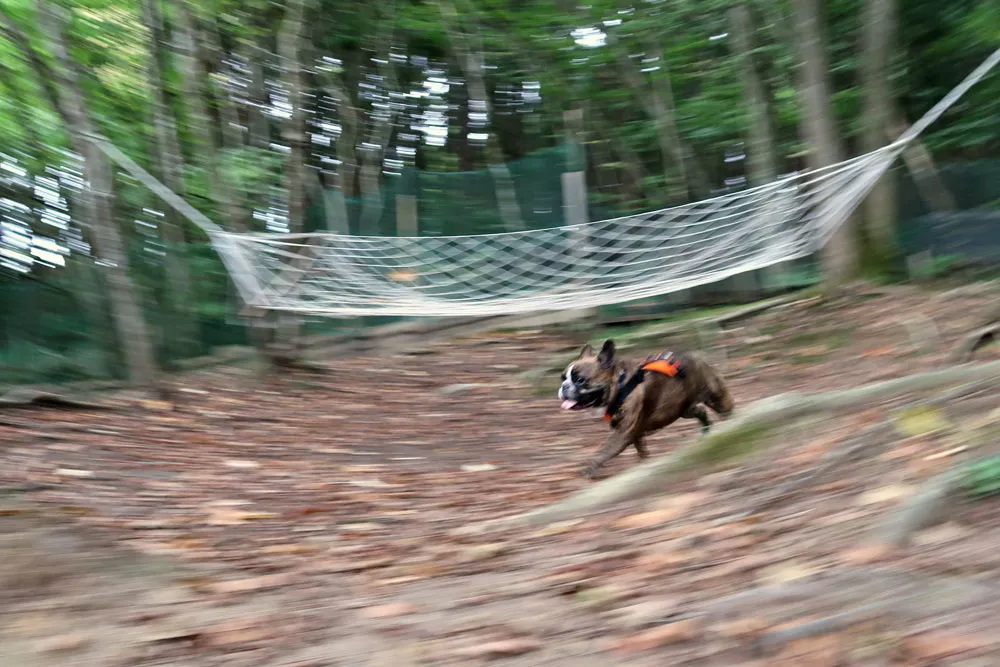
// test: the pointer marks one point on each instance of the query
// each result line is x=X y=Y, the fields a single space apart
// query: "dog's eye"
x=575 y=377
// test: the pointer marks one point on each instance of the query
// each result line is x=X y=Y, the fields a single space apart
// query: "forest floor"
x=309 y=520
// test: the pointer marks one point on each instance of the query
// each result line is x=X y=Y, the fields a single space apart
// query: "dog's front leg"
x=640 y=448
x=698 y=412
x=615 y=445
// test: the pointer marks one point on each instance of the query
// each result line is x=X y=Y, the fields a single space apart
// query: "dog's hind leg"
x=698 y=411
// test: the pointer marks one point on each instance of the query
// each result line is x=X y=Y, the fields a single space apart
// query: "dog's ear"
x=587 y=351
x=606 y=357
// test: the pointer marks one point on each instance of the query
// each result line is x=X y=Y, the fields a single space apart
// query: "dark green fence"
x=56 y=326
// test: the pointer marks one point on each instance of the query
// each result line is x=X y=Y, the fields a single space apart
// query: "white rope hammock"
x=593 y=264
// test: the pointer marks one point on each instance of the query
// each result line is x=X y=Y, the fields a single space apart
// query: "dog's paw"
x=589 y=472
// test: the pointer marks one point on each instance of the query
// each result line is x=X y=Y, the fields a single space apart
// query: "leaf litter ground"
x=308 y=520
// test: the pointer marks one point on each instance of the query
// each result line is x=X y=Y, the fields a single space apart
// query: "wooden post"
x=574 y=179
x=406 y=216
x=407 y=220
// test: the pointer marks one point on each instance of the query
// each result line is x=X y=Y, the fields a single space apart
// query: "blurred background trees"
x=293 y=115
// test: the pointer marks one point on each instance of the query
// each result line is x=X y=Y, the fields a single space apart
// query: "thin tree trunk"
x=631 y=162
x=658 y=104
x=258 y=125
x=919 y=162
x=762 y=159
x=666 y=110
x=285 y=346
x=373 y=155
x=346 y=147
x=466 y=159
x=172 y=174
x=229 y=115
x=194 y=77
x=470 y=62
x=19 y=100
x=878 y=31
x=98 y=198
x=840 y=256
x=293 y=131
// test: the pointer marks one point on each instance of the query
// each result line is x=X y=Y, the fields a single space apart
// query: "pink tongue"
x=568 y=405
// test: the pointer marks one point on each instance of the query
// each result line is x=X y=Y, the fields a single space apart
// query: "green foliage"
x=678 y=52
x=982 y=478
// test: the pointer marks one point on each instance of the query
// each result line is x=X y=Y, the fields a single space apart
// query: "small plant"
x=944 y=265
x=982 y=479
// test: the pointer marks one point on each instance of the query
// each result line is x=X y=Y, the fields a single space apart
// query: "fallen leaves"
x=642 y=615
x=241 y=464
x=250 y=584
x=649 y=519
x=662 y=635
x=65 y=643
x=389 y=610
x=783 y=573
x=920 y=420
x=501 y=648
x=230 y=517
x=478 y=467
x=867 y=554
x=482 y=552
x=891 y=493
x=940 y=644
x=236 y=632
x=349 y=511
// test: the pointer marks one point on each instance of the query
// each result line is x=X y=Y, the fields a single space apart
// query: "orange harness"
x=665 y=363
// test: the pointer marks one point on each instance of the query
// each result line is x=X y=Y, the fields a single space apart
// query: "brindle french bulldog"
x=641 y=397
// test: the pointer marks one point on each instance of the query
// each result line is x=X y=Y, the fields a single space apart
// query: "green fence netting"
x=55 y=326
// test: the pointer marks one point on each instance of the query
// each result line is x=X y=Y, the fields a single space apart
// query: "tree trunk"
x=285 y=347
x=98 y=200
x=229 y=116
x=878 y=31
x=840 y=256
x=293 y=131
x=919 y=162
x=658 y=104
x=259 y=126
x=762 y=159
x=194 y=77
x=666 y=114
x=370 y=168
x=470 y=63
x=172 y=174
x=346 y=148
x=466 y=159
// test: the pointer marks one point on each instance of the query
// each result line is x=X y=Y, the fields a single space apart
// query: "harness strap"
x=665 y=363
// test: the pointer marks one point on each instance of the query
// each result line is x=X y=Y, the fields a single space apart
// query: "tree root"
x=651 y=477
x=772 y=641
x=21 y=398
x=854 y=446
x=925 y=510
x=831 y=460
x=864 y=595
x=975 y=341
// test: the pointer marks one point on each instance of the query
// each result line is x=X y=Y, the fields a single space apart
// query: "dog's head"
x=588 y=380
x=717 y=396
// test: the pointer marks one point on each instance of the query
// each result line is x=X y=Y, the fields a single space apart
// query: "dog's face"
x=587 y=381
x=718 y=397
